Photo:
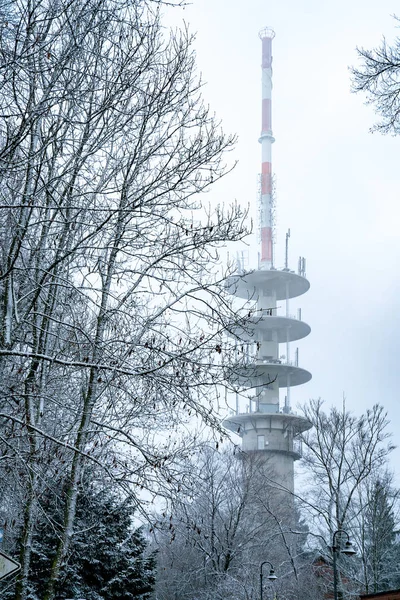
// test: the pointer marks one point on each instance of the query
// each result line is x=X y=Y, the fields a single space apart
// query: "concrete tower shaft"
x=266 y=140
x=265 y=426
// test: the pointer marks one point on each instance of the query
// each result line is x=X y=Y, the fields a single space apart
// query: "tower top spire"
x=266 y=32
x=266 y=139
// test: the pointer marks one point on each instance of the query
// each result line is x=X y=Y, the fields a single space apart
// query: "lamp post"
x=348 y=550
x=271 y=576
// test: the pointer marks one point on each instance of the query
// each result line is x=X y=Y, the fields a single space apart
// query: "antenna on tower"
x=266 y=139
x=287 y=249
x=302 y=266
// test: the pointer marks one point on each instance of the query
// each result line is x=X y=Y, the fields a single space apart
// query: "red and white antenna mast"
x=266 y=140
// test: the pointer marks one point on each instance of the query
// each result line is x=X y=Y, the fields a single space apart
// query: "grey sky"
x=337 y=184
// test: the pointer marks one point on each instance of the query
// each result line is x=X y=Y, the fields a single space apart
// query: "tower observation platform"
x=265 y=425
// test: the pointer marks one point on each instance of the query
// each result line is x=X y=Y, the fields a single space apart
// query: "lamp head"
x=349 y=549
x=272 y=575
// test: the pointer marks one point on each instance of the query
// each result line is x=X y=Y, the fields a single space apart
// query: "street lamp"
x=348 y=549
x=271 y=576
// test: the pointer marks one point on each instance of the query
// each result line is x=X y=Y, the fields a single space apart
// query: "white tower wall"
x=270 y=429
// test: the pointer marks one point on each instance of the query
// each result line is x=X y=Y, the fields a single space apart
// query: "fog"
x=337 y=184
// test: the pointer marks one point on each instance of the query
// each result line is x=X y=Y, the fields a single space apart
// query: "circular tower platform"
x=271 y=432
x=265 y=373
x=286 y=329
x=282 y=284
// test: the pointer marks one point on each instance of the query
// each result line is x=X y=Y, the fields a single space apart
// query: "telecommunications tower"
x=265 y=425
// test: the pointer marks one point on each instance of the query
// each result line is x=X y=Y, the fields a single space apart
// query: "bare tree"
x=214 y=537
x=379 y=78
x=111 y=295
x=204 y=537
x=342 y=453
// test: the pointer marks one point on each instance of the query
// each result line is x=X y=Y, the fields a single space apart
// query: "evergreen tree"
x=108 y=558
x=377 y=532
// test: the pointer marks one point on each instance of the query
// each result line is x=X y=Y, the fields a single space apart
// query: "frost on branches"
x=112 y=304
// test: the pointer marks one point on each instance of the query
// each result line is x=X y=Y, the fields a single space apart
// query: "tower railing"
x=268 y=312
x=253 y=358
x=273 y=312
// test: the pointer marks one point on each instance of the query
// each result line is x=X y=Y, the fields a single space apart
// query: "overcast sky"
x=338 y=185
